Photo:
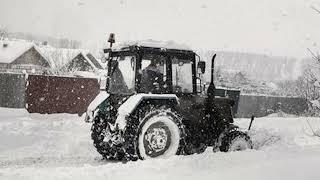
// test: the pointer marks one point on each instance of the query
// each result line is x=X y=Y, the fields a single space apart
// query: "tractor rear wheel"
x=235 y=141
x=101 y=135
x=160 y=133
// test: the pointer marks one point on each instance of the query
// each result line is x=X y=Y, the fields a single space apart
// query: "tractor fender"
x=131 y=104
x=93 y=106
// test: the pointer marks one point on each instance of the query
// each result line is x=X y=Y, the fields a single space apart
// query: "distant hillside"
x=52 y=41
x=255 y=66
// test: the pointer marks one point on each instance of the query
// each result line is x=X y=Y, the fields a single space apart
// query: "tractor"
x=155 y=105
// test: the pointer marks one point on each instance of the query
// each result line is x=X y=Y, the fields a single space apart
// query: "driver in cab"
x=152 y=77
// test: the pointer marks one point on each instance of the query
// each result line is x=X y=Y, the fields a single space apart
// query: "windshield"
x=181 y=75
x=122 y=75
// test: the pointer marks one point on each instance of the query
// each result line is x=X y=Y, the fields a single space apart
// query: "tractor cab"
x=136 y=69
x=142 y=69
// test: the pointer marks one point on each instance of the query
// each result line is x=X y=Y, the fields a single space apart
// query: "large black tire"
x=98 y=129
x=235 y=141
x=158 y=133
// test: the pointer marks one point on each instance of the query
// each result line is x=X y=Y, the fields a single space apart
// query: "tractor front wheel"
x=101 y=136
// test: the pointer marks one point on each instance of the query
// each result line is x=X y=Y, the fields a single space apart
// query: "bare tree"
x=290 y=87
x=313 y=131
x=309 y=82
x=67 y=43
x=3 y=33
x=314 y=8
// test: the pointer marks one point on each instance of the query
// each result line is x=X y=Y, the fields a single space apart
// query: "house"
x=19 y=56
x=84 y=62
x=75 y=62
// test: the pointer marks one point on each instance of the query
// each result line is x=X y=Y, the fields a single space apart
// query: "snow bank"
x=281 y=132
x=30 y=138
x=282 y=114
x=37 y=147
x=248 y=165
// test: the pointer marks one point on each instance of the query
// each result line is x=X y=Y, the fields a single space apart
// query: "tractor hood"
x=125 y=105
x=92 y=108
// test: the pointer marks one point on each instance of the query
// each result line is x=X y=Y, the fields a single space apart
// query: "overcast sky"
x=273 y=27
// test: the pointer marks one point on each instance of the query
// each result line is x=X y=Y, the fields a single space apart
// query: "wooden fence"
x=12 y=90
x=263 y=105
x=52 y=94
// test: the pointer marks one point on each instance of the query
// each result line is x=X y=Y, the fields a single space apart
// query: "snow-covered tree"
x=290 y=88
x=308 y=84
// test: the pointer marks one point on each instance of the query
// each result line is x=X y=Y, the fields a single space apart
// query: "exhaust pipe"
x=212 y=88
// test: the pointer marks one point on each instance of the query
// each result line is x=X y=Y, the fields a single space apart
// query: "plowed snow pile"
x=34 y=146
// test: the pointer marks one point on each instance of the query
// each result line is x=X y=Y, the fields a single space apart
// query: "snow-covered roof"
x=86 y=74
x=58 y=57
x=156 y=44
x=94 y=61
x=13 y=49
x=103 y=64
x=91 y=60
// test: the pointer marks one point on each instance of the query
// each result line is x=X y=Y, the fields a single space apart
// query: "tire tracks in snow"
x=52 y=161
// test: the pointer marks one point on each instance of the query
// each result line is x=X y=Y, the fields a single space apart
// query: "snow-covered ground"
x=34 y=146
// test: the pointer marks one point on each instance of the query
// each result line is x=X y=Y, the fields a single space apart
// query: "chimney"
x=45 y=43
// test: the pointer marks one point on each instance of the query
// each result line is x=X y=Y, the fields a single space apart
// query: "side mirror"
x=201 y=67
